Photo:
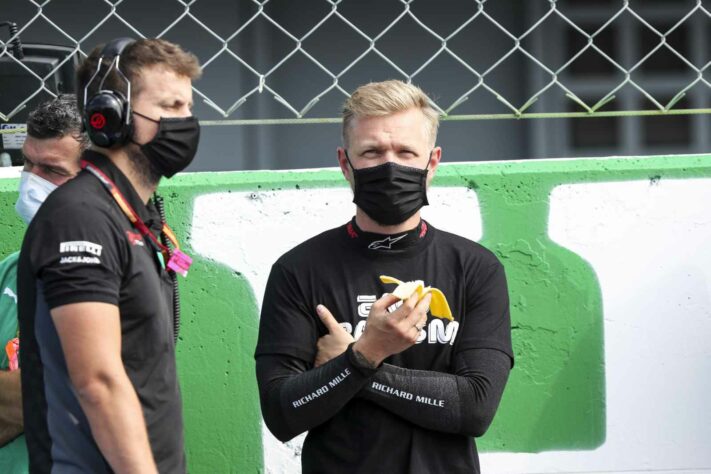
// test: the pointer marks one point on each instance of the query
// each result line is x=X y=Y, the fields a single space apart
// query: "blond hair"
x=385 y=98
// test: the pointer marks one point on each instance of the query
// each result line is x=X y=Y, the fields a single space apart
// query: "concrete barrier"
x=609 y=268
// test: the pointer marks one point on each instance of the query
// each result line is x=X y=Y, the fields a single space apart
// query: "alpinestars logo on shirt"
x=437 y=331
x=386 y=243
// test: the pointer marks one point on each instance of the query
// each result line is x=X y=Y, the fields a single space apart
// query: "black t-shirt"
x=340 y=268
x=80 y=247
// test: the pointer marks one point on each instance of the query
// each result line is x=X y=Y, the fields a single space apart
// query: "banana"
x=438 y=306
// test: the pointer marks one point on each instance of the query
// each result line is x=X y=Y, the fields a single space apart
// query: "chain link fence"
x=553 y=79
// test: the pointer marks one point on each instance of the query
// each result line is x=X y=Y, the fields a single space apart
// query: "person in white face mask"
x=52 y=152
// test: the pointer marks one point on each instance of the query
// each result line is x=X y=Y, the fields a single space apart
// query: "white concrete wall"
x=648 y=242
x=650 y=245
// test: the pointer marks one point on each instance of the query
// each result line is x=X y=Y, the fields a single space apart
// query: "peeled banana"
x=438 y=305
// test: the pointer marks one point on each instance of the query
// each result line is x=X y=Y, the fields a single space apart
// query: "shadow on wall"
x=555 y=398
x=219 y=323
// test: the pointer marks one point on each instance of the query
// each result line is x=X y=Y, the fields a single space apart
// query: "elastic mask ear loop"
x=146 y=117
x=426 y=173
x=424 y=177
x=427 y=166
x=345 y=152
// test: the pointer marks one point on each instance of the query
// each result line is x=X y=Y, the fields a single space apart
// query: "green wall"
x=555 y=399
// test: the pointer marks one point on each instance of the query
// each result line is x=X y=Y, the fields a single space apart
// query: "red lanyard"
x=136 y=221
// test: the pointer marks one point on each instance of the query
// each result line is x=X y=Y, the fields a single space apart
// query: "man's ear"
x=435 y=158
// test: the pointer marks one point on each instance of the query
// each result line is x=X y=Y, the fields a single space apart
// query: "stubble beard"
x=142 y=166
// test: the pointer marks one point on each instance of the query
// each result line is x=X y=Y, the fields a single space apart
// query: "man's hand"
x=10 y=406
x=335 y=342
x=387 y=333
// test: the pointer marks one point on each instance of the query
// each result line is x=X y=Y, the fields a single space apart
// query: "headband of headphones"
x=115 y=47
x=107 y=113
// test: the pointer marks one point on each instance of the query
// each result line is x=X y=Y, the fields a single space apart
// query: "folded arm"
x=296 y=398
x=464 y=402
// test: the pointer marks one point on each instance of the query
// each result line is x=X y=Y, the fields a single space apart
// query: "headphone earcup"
x=105 y=118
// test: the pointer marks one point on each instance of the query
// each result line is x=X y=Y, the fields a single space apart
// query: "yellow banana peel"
x=438 y=306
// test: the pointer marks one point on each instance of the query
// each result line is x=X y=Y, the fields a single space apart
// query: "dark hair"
x=57 y=118
x=140 y=54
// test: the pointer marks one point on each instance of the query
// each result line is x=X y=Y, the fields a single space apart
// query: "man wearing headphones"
x=51 y=152
x=96 y=281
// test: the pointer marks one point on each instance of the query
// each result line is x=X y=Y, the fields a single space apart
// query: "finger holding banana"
x=422 y=322
x=420 y=311
x=391 y=333
x=439 y=307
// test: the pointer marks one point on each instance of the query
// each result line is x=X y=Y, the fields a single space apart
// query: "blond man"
x=406 y=392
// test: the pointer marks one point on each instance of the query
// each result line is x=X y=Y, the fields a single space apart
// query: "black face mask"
x=390 y=193
x=174 y=146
